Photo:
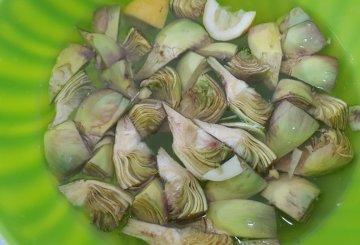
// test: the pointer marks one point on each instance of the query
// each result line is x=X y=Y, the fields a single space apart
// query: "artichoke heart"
x=354 y=117
x=243 y=100
x=134 y=161
x=106 y=204
x=184 y=196
x=135 y=45
x=205 y=100
x=106 y=21
x=191 y=9
x=198 y=151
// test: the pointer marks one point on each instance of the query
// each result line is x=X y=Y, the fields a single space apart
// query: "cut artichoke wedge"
x=161 y=235
x=221 y=51
x=243 y=218
x=354 y=117
x=70 y=60
x=184 y=196
x=65 y=150
x=133 y=159
x=191 y=9
x=289 y=127
x=149 y=204
x=255 y=130
x=243 y=100
x=244 y=144
x=135 y=45
x=173 y=40
x=296 y=16
x=294 y=196
x=106 y=204
x=106 y=21
x=205 y=100
x=244 y=183
x=197 y=150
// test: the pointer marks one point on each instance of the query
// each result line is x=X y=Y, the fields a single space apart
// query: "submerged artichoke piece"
x=330 y=110
x=354 y=117
x=322 y=154
x=222 y=51
x=265 y=45
x=191 y=9
x=165 y=85
x=147 y=116
x=120 y=78
x=106 y=21
x=106 y=204
x=243 y=100
x=68 y=63
x=294 y=196
x=205 y=100
x=184 y=196
x=197 y=150
x=244 y=184
x=289 y=127
x=316 y=70
x=149 y=204
x=133 y=159
x=246 y=66
x=108 y=49
x=243 y=218
x=135 y=45
x=101 y=163
x=244 y=144
x=296 y=16
x=161 y=235
x=65 y=151
x=255 y=130
x=173 y=40
x=99 y=112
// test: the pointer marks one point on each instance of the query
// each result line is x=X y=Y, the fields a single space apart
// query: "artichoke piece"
x=120 y=78
x=135 y=45
x=222 y=51
x=244 y=144
x=354 y=117
x=191 y=9
x=184 y=196
x=296 y=16
x=227 y=170
x=322 y=154
x=265 y=45
x=246 y=66
x=108 y=49
x=289 y=127
x=244 y=184
x=165 y=85
x=68 y=63
x=260 y=242
x=197 y=150
x=243 y=100
x=161 y=235
x=149 y=204
x=106 y=204
x=297 y=92
x=255 y=130
x=293 y=196
x=205 y=100
x=190 y=67
x=71 y=96
x=171 y=41
x=106 y=21
x=101 y=164
x=147 y=116
x=330 y=110
x=99 y=112
x=317 y=70
x=65 y=151
x=243 y=218
x=133 y=159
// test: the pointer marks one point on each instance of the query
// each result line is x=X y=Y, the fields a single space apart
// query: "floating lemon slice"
x=224 y=25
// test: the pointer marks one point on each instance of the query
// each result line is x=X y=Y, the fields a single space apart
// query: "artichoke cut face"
x=106 y=204
x=354 y=117
x=184 y=196
x=106 y=20
x=70 y=60
x=191 y=9
x=133 y=160
x=255 y=130
x=135 y=45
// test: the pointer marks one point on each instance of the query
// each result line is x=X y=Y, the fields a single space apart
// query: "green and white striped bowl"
x=32 y=32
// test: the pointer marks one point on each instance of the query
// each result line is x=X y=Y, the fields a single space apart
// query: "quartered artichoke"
x=184 y=196
x=135 y=45
x=106 y=21
x=134 y=161
x=106 y=204
x=191 y=9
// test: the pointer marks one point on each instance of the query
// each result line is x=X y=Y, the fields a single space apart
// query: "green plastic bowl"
x=32 y=32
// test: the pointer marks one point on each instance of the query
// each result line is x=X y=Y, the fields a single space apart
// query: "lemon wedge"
x=224 y=25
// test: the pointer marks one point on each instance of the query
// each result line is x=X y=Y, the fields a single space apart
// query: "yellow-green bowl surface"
x=32 y=32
